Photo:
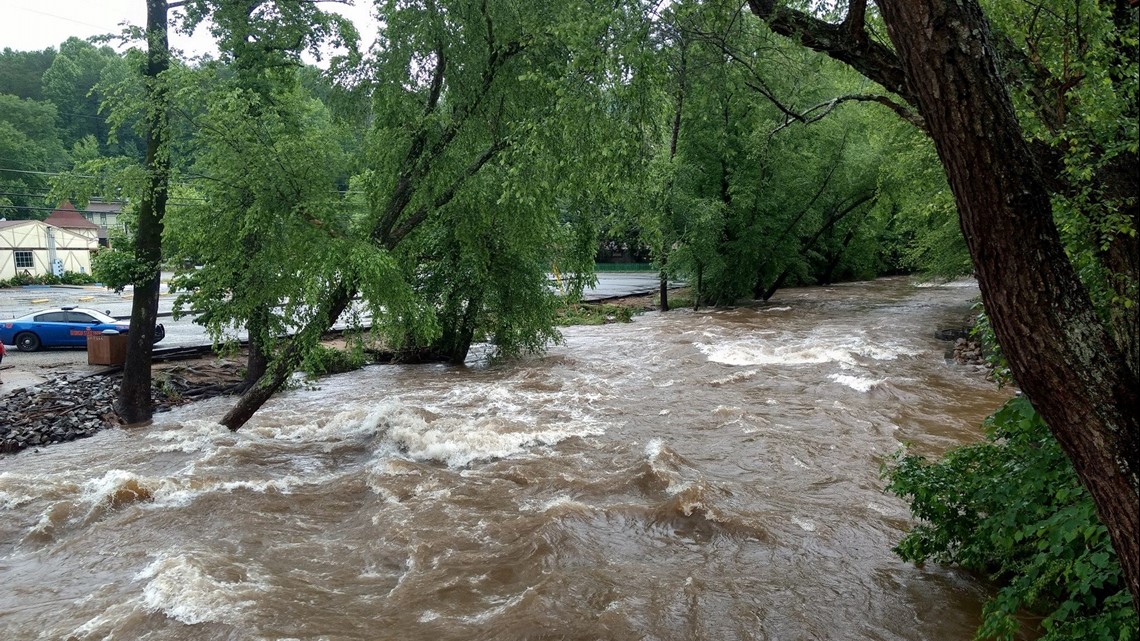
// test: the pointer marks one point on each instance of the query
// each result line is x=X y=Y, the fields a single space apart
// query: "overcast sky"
x=37 y=24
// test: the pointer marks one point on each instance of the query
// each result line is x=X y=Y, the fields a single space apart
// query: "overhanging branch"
x=818 y=112
x=870 y=58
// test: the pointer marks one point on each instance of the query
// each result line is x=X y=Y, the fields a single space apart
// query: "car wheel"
x=159 y=332
x=27 y=342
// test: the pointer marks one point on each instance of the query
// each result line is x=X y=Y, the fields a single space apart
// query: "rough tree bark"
x=134 y=403
x=674 y=138
x=1063 y=357
x=1059 y=351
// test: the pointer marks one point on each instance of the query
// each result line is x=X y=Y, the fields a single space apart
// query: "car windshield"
x=85 y=316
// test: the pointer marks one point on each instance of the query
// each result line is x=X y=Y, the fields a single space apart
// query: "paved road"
x=22 y=300
x=18 y=366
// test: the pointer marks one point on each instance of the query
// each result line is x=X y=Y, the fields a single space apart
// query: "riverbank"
x=55 y=397
x=60 y=398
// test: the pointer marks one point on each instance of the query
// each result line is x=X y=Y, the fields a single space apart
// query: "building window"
x=103 y=219
x=24 y=260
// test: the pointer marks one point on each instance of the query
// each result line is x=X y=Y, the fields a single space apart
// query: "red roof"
x=66 y=217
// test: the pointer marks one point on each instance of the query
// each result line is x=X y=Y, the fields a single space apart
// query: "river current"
x=708 y=475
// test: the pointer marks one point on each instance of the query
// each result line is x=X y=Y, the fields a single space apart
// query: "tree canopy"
x=433 y=180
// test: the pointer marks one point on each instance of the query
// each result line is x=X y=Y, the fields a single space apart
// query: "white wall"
x=36 y=237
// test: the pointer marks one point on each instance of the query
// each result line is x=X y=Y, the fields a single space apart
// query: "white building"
x=37 y=248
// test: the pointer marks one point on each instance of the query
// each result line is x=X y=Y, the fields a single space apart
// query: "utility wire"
x=64 y=173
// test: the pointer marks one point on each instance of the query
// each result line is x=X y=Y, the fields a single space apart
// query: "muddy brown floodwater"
x=689 y=476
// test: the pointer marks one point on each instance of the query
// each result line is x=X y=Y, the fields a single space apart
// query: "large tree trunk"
x=1059 y=351
x=283 y=366
x=134 y=403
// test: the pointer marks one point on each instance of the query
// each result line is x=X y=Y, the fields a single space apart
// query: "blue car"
x=61 y=327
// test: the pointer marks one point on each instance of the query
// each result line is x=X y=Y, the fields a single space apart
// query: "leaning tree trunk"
x=134 y=403
x=1059 y=351
x=283 y=366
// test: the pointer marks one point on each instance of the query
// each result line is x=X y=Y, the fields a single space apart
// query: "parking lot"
x=21 y=369
x=26 y=368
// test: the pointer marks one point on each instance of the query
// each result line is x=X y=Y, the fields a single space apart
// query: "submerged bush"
x=1013 y=508
x=593 y=314
x=322 y=360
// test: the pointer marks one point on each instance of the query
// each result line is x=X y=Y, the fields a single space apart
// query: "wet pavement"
x=23 y=300
x=20 y=369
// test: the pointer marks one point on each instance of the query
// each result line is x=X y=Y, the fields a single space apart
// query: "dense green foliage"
x=22 y=72
x=478 y=147
x=1012 y=509
x=741 y=198
x=30 y=150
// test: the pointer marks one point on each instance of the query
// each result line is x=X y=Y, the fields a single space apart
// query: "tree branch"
x=818 y=112
x=856 y=19
x=870 y=58
x=448 y=194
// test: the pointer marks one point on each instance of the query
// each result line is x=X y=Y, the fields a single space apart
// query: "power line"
x=46 y=173
x=31 y=208
x=63 y=173
x=52 y=15
x=45 y=196
x=86 y=211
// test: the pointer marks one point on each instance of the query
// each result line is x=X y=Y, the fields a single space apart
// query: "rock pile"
x=968 y=352
x=76 y=407
x=58 y=411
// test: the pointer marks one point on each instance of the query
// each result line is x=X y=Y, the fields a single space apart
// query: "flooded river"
x=690 y=476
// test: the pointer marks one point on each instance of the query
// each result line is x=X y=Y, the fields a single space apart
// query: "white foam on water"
x=349 y=425
x=457 y=442
x=951 y=284
x=104 y=488
x=788 y=350
x=857 y=383
x=653 y=448
x=17 y=490
x=491 y=613
x=653 y=451
x=776 y=309
x=501 y=400
x=409 y=567
x=735 y=377
x=560 y=503
x=88 y=499
x=179 y=588
x=190 y=436
x=727 y=410
x=805 y=524
x=482 y=399
x=799 y=463
x=882 y=509
x=102 y=626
